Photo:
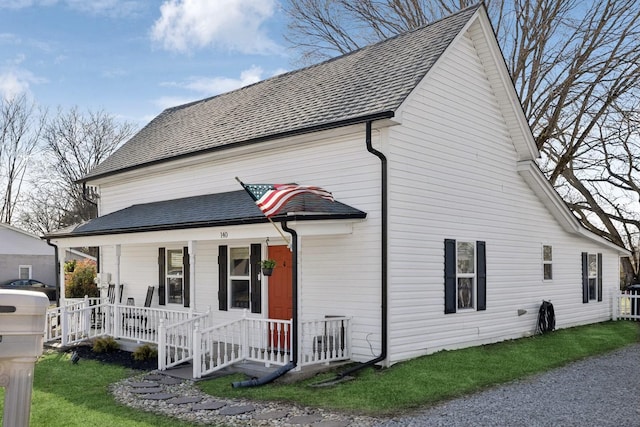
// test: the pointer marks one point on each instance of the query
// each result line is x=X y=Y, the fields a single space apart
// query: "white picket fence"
x=626 y=306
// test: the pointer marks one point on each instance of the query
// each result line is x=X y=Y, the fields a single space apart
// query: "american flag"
x=271 y=198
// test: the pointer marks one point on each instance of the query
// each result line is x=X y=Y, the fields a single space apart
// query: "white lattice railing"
x=626 y=306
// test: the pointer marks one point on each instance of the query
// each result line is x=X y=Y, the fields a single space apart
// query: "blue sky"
x=133 y=58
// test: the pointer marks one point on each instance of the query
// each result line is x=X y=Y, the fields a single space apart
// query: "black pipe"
x=265 y=379
x=383 y=256
x=57 y=264
x=294 y=321
x=294 y=291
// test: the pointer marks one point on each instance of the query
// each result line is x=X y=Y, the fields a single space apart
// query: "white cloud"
x=165 y=102
x=216 y=85
x=209 y=86
x=16 y=82
x=234 y=25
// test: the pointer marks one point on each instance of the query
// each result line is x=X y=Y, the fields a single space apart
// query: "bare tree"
x=20 y=127
x=575 y=65
x=76 y=143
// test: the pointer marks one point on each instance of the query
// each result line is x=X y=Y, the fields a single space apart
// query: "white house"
x=444 y=233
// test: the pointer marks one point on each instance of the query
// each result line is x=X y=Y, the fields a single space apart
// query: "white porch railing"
x=626 y=306
x=265 y=341
x=326 y=340
x=175 y=339
x=183 y=336
x=77 y=320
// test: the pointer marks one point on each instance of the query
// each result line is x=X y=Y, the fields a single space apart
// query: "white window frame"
x=20 y=267
x=235 y=277
x=169 y=277
x=467 y=275
x=546 y=262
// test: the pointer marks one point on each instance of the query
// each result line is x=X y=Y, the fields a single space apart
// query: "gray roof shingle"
x=370 y=82
x=210 y=210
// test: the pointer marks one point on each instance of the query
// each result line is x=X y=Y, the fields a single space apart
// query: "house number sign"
x=224 y=234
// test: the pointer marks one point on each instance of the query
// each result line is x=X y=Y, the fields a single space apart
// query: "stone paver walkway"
x=160 y=393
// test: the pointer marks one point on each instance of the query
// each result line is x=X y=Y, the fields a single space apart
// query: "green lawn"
x=68 y=395
x=444 y=375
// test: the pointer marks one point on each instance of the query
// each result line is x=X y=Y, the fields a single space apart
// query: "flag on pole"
x=271 y=198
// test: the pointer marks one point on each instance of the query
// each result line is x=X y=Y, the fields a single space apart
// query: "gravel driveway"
x=600 y=391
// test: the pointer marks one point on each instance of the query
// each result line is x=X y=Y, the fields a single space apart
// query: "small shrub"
x=105 y=345
x=81 y=281
x=145 y=352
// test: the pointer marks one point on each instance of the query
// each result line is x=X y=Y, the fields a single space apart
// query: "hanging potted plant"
x=267 y=266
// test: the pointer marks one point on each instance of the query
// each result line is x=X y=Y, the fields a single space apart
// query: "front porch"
x=189 y=336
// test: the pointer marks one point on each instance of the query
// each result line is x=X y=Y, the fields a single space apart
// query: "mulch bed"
x=117 y=357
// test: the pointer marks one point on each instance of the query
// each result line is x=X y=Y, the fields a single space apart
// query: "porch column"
x=116 y=310
x=192 y=275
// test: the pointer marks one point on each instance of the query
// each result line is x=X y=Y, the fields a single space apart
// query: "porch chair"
x=139 y=320
x=149 y=297
x=111 y=293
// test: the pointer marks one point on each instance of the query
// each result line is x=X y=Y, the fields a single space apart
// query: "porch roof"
x=210 y=210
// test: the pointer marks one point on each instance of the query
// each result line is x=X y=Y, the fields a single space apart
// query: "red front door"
x=280 y=292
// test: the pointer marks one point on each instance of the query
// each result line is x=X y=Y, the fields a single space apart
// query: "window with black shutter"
x=465 y=276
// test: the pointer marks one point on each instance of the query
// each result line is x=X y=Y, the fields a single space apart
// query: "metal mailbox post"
x=22 y=320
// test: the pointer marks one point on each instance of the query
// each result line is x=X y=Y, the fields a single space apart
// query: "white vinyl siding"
x=353 y=177
x=453 y=172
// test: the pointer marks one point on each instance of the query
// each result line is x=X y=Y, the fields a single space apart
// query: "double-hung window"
x=239 y=284
x=465 y=275
x=547 y=262
x=591 y=277
x=239 y=276
x=174 y=276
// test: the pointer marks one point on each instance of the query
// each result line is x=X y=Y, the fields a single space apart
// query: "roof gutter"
x=294 y=132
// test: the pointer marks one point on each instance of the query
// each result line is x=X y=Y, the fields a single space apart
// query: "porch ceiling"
x=210 y=210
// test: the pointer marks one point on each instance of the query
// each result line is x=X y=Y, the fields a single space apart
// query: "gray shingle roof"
x=370 y=82
x=222 y=209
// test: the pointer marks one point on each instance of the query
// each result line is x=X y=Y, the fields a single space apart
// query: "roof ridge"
x=369 y=83
x=326 y=61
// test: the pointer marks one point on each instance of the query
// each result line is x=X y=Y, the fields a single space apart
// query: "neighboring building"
x=74 y=254
x=445 y=234
x=25 y=256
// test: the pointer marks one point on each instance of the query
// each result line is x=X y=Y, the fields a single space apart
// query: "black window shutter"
x=585 y=277
x=482 y=275
x=449 y=276
x=162 y=282
x=186 y=276
x=256 y=295
x=599 y=277
x=222 y=277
